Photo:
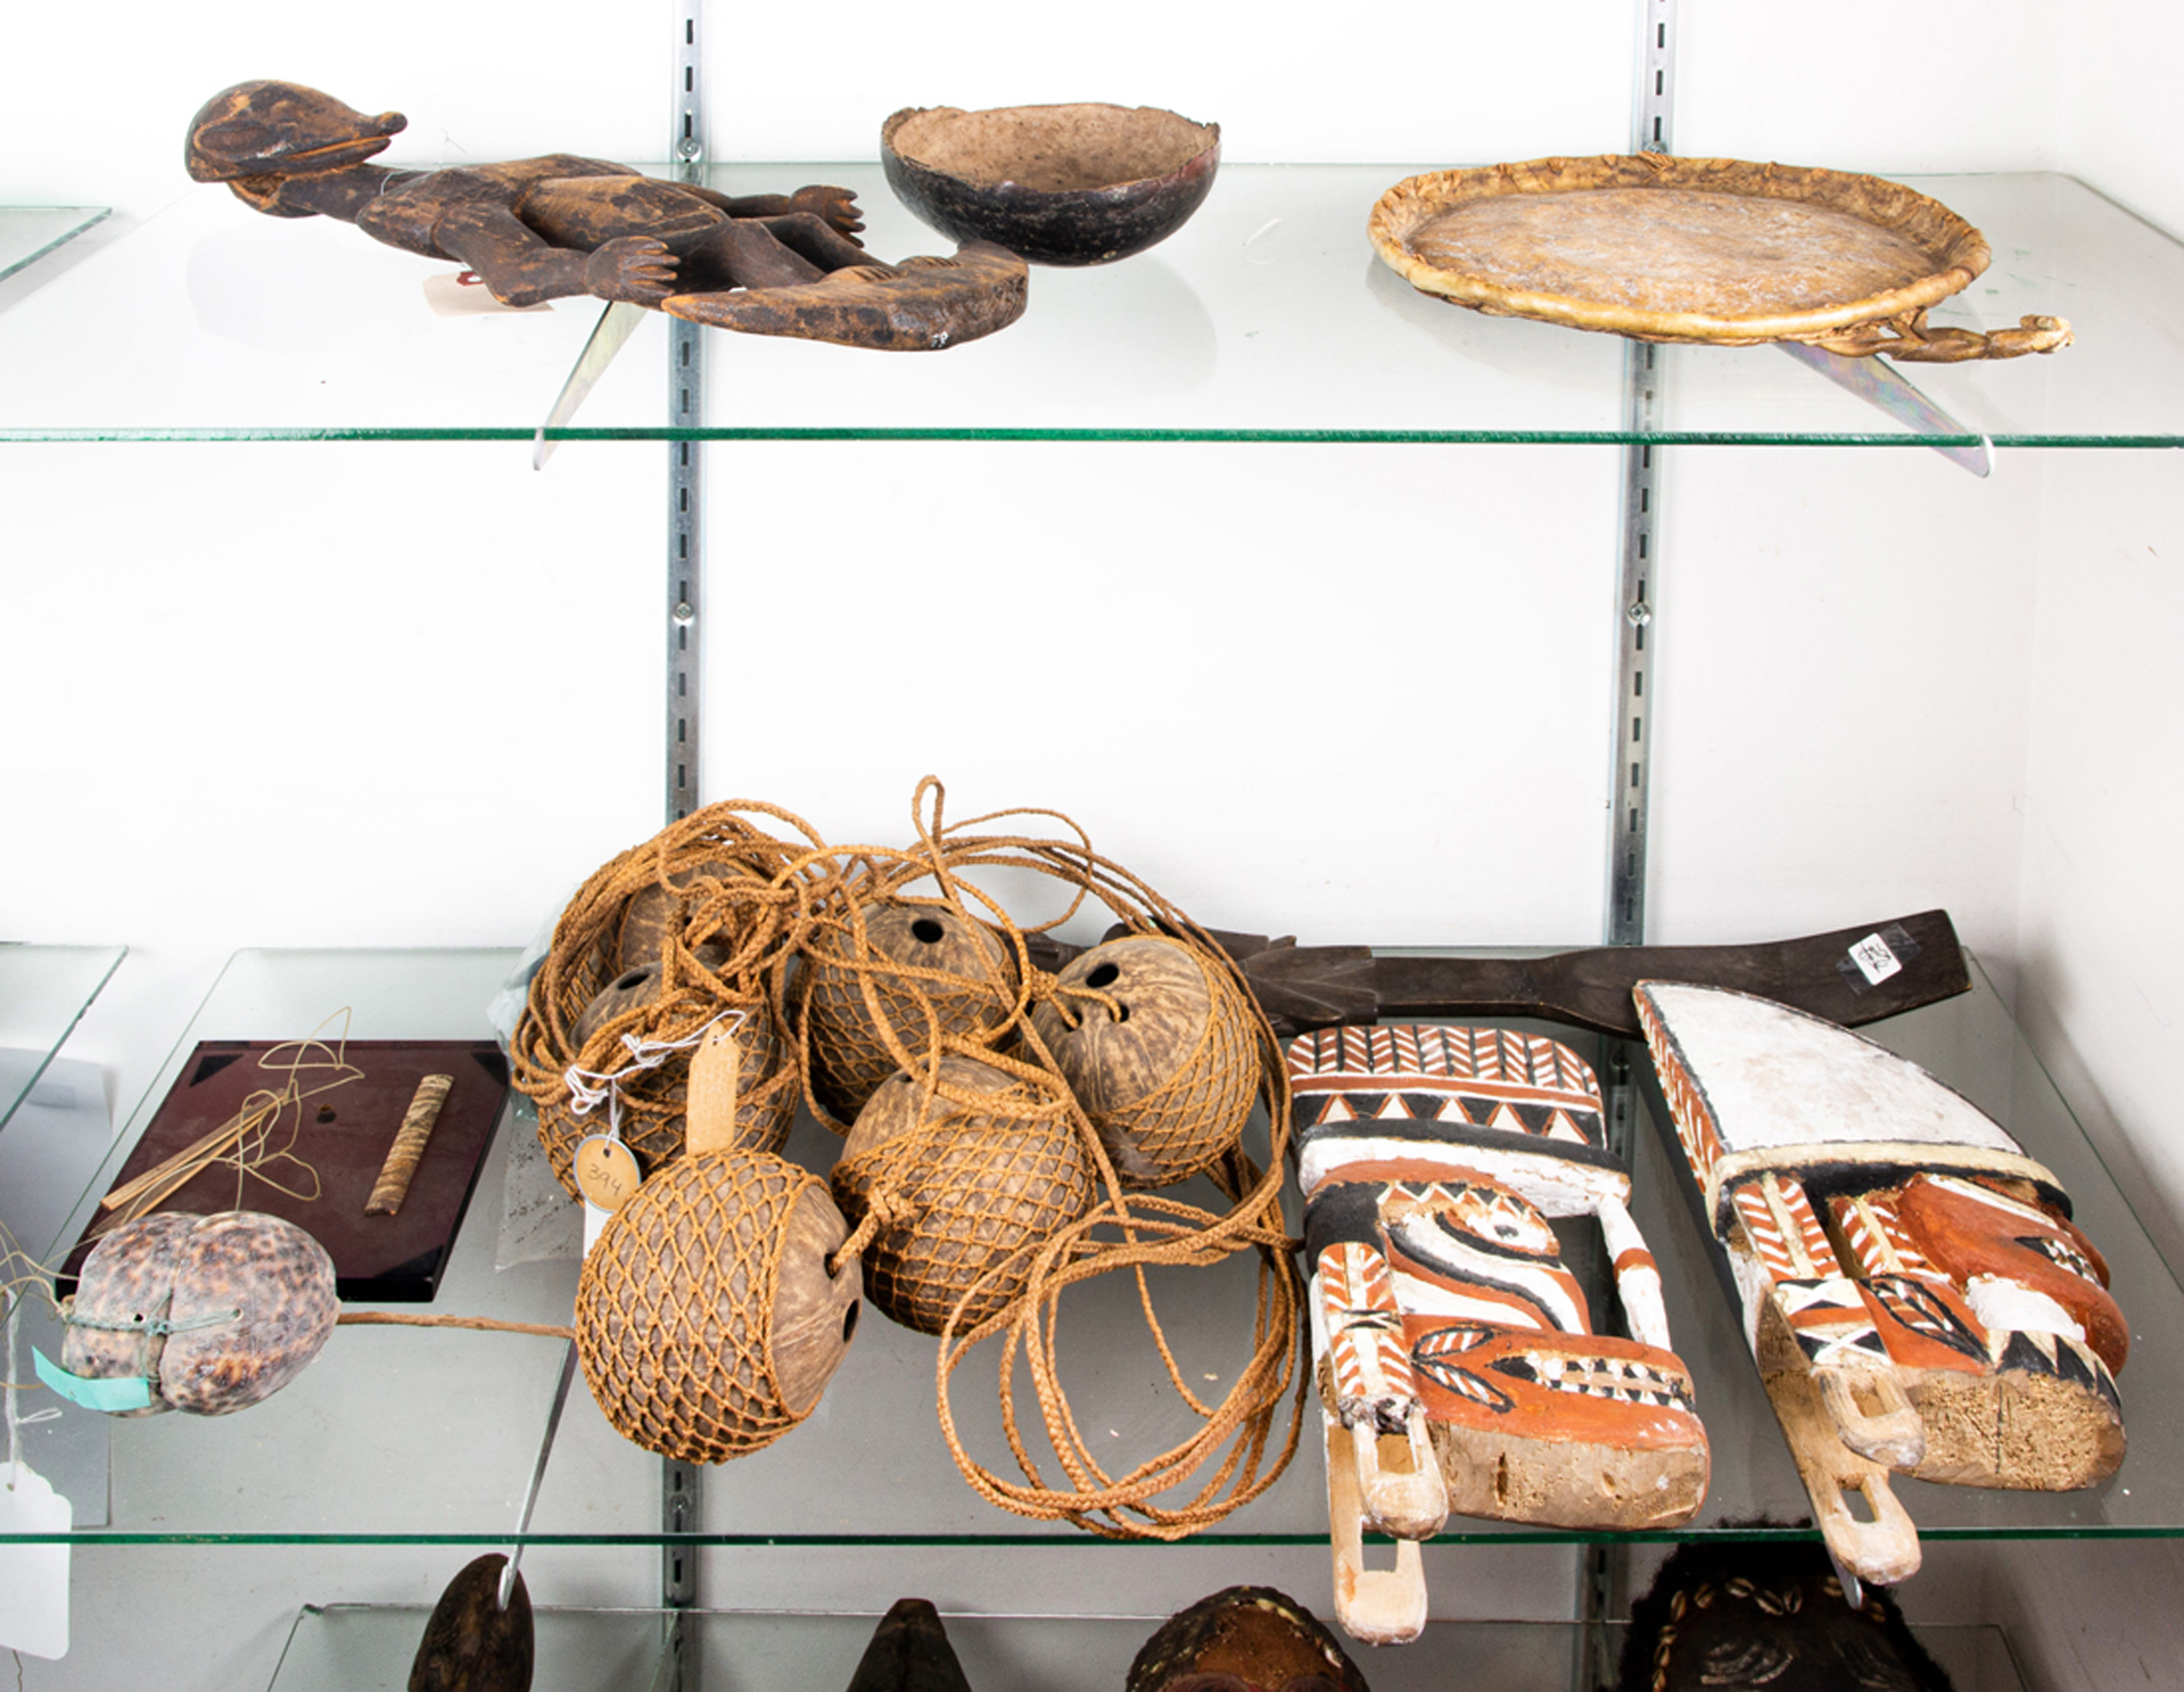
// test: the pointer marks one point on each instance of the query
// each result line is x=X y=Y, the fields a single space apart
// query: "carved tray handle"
x=1908 y=340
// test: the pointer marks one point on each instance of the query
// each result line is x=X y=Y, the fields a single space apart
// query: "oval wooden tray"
x=1711 y=250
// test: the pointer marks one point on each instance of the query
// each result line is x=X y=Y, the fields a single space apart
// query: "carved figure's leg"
x=1809 y=1314
x=812 y=237
x=1380 y=1606
x=1375 y=1396
x=744 y=253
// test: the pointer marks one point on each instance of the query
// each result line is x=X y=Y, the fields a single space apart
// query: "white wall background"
x=390 y=694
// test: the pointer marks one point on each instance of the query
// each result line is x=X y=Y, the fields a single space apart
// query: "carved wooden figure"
x=559 y=225
x=1915 y=1292
x=1458 y=1364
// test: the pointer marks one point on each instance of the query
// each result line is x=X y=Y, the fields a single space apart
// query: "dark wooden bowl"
x=1057 y=184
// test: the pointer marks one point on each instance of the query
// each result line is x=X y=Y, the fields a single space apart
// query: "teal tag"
x=121 y=1392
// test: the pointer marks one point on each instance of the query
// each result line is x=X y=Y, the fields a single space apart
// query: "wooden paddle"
x=1304 y=987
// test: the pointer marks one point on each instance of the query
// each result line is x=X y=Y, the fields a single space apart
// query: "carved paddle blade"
x=1817 y=973
x=1918 y=961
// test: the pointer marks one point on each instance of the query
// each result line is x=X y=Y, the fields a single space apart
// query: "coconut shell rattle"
x=956 y=1178
x=715 y=1306
x=656 y=944
x=912 y=971
x=1158 y=1046
x=203 y=1314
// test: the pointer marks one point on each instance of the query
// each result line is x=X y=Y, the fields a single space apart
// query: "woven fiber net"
x=589 y=1050
x=678 y=1303
x=948 y=974
x=1014 y=1293
x=1171 y=1102
x=977 y=1164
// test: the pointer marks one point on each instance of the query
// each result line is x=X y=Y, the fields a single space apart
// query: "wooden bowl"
x=1057 y=184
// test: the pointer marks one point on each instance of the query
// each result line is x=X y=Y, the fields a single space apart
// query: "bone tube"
x=409 y=1149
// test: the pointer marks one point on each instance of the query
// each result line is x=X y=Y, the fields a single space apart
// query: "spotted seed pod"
x=217 y=1312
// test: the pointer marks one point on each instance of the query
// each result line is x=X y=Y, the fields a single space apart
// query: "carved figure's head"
x=2022 y=1266
x=258 y=137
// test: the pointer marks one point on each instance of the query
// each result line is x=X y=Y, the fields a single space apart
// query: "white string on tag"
x=590 y=1088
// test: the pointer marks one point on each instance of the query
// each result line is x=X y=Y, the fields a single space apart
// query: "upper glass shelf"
x=44 y=992
x=395 y=1436
x=1266 y=318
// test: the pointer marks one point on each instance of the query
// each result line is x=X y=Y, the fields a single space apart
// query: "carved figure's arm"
x=519 y=268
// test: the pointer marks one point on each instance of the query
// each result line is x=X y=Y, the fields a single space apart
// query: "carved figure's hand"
x=636 y=268
x=837 y=206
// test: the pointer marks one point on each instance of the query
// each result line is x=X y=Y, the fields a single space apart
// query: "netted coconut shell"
x=652 y=1117
x=654 y=912
x=707 y=1322
x=635 y=988
x=963 y=1189
x=218 y=1312
x=1157 y=1043
x=724 y=933
x=848 y=1055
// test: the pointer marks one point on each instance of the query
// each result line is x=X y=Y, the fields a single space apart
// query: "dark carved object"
x=471 y=1644
x=1243 y=1638
x=1772 y=1615
x=549 y=227
x=1059 y=185
x=1304 y=987
x=910 y=1652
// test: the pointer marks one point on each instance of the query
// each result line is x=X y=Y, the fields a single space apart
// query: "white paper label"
x=34 y=1579
x=1874 y=960
x=463 y=293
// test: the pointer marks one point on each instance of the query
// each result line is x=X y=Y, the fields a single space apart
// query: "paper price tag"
x=606 y=1175
x=1874 y=960
x=606 y=1172
x=463 y=293
x=34 y=1579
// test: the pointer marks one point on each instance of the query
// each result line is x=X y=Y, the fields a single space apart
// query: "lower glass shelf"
x=394 y=1436
x=366 y=1648
x=44 y=992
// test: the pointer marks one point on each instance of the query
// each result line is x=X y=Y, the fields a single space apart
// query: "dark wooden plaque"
x=345 y=1134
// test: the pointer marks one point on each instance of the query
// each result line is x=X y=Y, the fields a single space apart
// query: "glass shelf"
x=365 y=1648
x=29 y=233
x=44 y=992
x=1266 y=318
x=396 y=1437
